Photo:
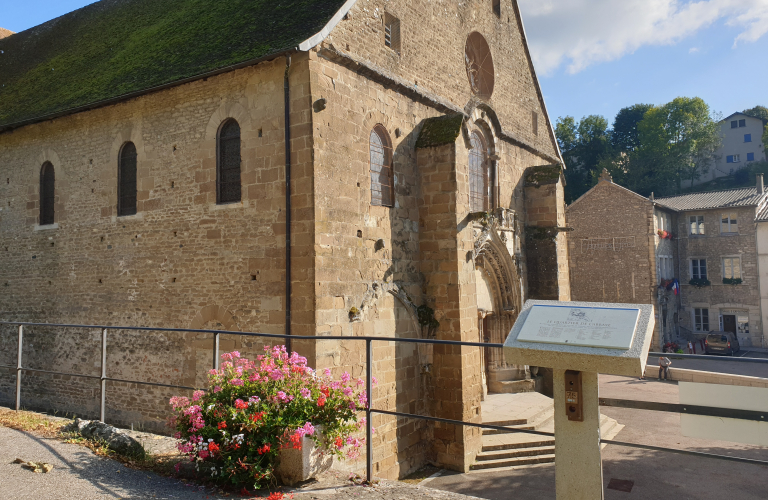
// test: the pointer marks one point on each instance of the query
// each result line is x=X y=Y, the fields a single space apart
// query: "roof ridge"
x=707 y=192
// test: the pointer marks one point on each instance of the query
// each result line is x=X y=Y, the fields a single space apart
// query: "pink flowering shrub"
x=234 y=431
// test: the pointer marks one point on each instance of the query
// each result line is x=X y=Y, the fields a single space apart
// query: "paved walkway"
x=78 y=474
x=655 y=474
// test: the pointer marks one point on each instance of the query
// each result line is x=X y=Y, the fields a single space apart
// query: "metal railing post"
x=18 y=369
x=103 y=374
x=215 y=350
x=368 y=423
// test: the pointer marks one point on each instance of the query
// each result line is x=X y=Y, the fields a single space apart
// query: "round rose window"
x=477 y=57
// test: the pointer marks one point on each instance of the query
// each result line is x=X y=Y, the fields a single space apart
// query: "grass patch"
x=26 y=421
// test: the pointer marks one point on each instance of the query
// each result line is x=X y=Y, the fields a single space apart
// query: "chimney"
x=760 y=185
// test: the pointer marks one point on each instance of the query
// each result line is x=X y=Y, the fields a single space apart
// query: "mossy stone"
x=114 y=48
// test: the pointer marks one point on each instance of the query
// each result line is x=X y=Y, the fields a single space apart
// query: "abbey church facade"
x=147 y=149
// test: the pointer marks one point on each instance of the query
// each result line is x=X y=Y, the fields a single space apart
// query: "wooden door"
x=729 y=323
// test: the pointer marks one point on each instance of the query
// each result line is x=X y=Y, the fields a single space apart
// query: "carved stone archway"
x=495 y=256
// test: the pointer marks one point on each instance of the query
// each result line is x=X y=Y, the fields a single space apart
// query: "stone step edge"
x=507 y=423
x=491 y=432
x=523 y=452
x=517 y=446
x=544 y=459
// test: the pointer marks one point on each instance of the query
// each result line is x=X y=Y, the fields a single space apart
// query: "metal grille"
x=126 y=180
x=228 y=172
x=382 y=185
x=47 y=194
x=477 y=57
x=615 y=244
x=392 y=32
x=478 y=175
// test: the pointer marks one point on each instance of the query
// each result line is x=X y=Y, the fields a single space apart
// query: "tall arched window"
x=47 y=194
x=126 y=180
x=479 y=175
x=382 y=178
x=228 y=163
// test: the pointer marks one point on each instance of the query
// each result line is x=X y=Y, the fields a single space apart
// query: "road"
x=720 y=365
x=655 y=474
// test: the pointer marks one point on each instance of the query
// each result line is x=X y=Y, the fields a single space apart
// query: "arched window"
x=126 y=180
x=47 y=194
x=479 y=175
x=228 y=163
x=382 y=178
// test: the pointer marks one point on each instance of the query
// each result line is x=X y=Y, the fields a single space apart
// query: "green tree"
x=681 y=139
x=583 y=145
x=625 y=135
x=758 y=112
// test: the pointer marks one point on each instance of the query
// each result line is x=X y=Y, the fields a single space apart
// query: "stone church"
x=147 y=149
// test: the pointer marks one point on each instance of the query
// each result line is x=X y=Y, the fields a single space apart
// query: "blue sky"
x=597 y=56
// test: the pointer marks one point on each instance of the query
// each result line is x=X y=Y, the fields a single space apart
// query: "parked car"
x=721 y=343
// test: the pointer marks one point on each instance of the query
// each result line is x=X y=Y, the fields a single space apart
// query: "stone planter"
x=296 y=466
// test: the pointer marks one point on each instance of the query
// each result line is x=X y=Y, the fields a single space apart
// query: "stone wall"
x=183 y=261
x=357 y=269
x=719 y=298
x=433 y=36
x=611 y=248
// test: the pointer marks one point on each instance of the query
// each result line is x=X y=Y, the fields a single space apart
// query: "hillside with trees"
x=650 y=149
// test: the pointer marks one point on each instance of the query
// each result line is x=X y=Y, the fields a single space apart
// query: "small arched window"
x=479 y=178
x=126 y=180
x=382 y=178
x=47 y=194
x=228 y=163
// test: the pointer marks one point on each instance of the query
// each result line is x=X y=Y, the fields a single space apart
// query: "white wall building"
x=742 y=144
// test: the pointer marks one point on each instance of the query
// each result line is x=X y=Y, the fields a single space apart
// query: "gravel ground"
x=81 y=475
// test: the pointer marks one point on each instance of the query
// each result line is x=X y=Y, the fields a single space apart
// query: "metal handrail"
x=709 y=358
x=369 y=377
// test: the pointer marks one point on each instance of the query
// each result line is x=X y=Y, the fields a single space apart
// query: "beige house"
x=718 y=246
x=762 y=266
x=308 y=168
x=742 y=144
x=620 y=251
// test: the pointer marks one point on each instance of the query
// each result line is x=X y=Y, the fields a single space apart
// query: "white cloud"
x=579 y=33
x=693 y=50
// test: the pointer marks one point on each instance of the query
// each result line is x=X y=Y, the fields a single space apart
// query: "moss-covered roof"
x=542 y=175
x=440 y=130
x=115 y=48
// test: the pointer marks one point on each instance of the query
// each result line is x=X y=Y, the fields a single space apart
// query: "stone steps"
x=516 y=453
x=513 y=462
x=518 y=445
x=523 y=412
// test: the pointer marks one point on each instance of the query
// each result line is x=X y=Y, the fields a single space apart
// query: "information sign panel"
x=611 y=328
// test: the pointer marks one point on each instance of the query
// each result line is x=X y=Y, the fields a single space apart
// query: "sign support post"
x=578 y=340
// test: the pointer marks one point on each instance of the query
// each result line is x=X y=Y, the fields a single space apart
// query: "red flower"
x=321 y=401
x=257 y=416
x=296 y=441
x=339 y=443
x=240 y=404
x=222 y=425
x=326 y=391
x=213 y=448
x=276 y=496
x=264 y=449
